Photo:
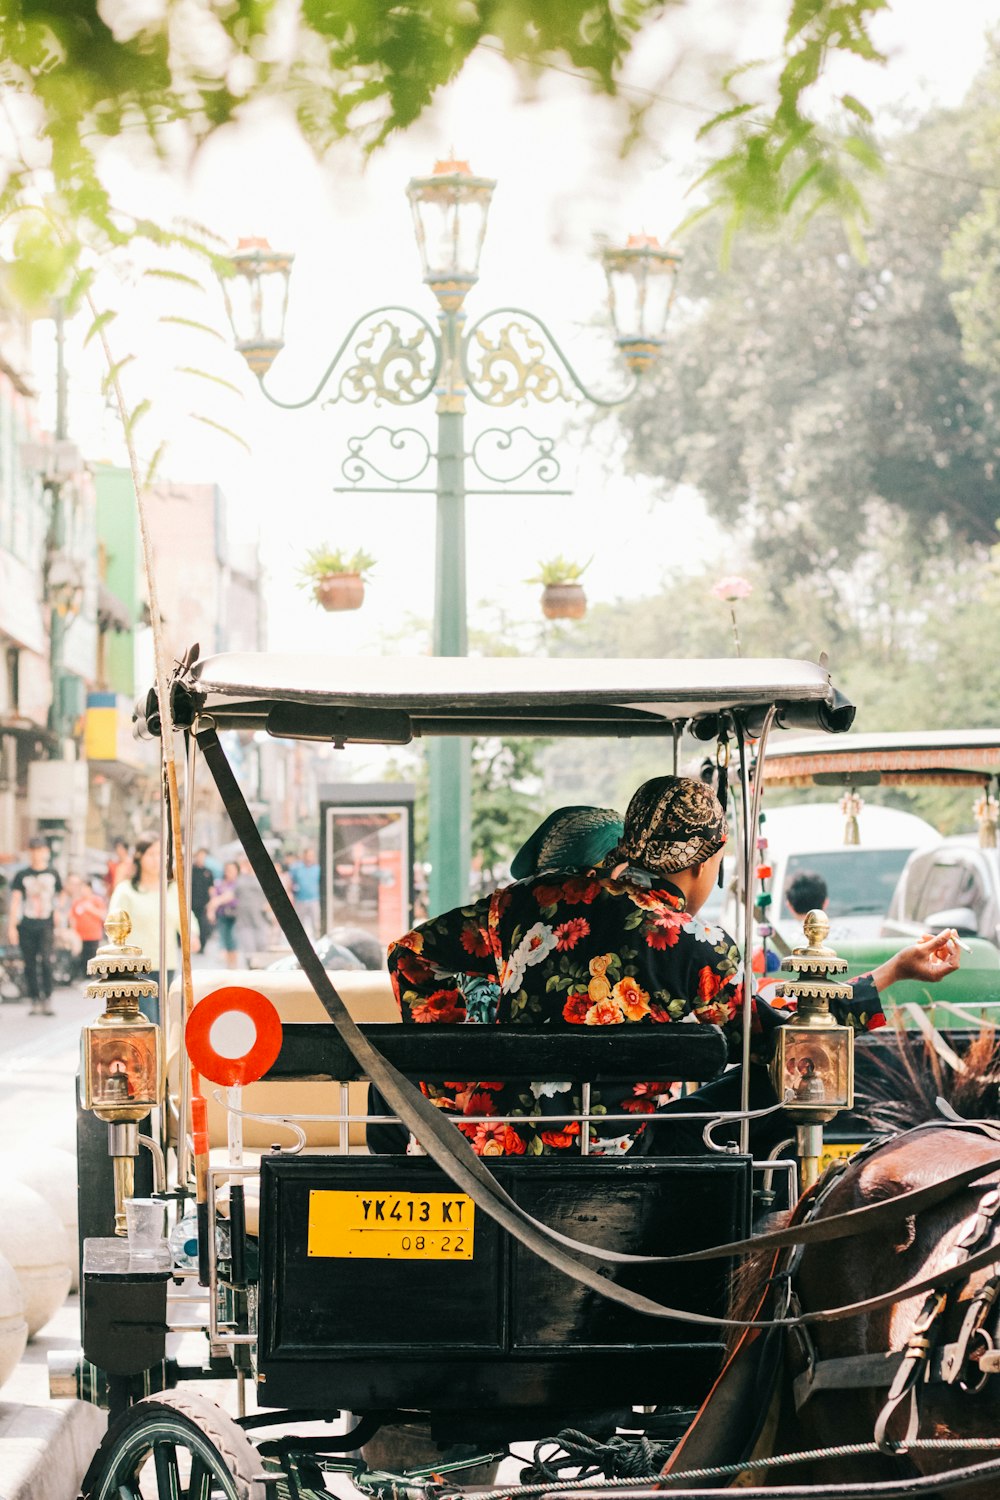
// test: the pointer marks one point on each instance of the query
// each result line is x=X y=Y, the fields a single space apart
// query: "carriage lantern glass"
x=121 y=1062
x=450 y=209
x=257 y=301
x=642 y=281
x=121 y=1056
x=813 y=1066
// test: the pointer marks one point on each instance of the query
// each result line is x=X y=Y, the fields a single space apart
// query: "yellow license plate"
x=837 y=1151
x=391 y=1226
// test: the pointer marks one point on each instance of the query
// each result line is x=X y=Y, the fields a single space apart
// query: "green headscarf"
x=571 y=838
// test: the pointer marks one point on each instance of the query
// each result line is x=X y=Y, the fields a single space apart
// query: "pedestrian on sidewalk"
x=305 y=891
x=140 y=898
x=34 y=892
x=202 y=880
x=86 y=917
x=119 y=866
x=222 y=908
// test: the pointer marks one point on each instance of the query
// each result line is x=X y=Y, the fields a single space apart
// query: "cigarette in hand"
x=950 y=935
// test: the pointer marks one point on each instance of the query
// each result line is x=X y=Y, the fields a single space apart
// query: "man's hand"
x=12 y=937
x=930 y=959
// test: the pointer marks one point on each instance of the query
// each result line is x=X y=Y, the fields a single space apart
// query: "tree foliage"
x=808 y=394
x=972 y=257
x=912 y=652
x=163 y=72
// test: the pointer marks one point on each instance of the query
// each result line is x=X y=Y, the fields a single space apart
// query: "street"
x=38 y=1063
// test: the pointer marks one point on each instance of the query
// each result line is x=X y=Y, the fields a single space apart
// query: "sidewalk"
x=45 y=1446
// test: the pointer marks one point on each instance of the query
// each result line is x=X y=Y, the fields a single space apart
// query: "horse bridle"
x=966 y=1362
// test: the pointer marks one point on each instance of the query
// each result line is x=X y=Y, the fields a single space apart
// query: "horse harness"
x=967 y=1362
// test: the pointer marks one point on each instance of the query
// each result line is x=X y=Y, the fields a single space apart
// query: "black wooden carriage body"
x=502 y=1330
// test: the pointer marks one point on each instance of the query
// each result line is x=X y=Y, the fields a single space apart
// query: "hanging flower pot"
x=336 y=579
x=564 y=601
x=340 y=591
x=562 y=592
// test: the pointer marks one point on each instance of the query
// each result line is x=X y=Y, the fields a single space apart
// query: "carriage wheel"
x=174 y=1446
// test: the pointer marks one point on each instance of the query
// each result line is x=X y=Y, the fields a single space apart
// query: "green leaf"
x=857 y=108
x=153 y=465
x=735 y=113
x=800 y=184
x=195 y=325
x=100 y=322
x=113 y=373
x=863 y=151
x=137 y=413
x=215 y=379
x=166 y=273
x=221 y=427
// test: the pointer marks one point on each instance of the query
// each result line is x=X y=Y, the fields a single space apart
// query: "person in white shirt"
x=140 y=898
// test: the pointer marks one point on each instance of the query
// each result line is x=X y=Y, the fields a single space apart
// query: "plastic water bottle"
x=183 y=1242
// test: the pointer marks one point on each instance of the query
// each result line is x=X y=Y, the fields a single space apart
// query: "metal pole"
x=57 y=535
x=750 y=807
x=450 y=758
x=184 y=1079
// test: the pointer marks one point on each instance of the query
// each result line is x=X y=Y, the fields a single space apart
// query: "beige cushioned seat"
x=368 y=996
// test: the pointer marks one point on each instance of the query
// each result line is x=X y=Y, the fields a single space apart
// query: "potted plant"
x=562 y=592
x=336 y=578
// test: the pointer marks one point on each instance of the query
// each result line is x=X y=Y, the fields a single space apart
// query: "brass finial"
x=118 y=965
x=118 y=925
x=816 y=927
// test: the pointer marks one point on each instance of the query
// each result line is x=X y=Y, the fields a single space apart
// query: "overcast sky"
x=560 y=185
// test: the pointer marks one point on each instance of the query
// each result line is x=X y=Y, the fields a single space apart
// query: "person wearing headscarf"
x=620 y=943
x=571 y=838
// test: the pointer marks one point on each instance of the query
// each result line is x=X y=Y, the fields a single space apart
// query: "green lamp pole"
x=395 y=355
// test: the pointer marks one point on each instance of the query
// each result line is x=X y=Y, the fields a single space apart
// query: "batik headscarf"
x=571 y=838
x=672 y=822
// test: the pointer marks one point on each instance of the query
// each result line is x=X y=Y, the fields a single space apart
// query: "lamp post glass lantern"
x=642 y=281
x=257 y=301
x=394 y=354
x=450 y=210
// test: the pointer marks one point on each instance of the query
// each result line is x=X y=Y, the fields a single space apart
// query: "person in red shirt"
x=86 y=917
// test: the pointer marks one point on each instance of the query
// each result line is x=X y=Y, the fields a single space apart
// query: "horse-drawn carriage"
x=436 y=1294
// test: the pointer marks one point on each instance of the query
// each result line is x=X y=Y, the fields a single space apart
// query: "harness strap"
x=453 y=1154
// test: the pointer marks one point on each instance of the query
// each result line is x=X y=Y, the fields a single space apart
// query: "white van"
x=860 y=878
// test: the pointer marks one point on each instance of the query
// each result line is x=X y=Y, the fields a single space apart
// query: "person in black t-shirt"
x=202 y=881
x=31 y=922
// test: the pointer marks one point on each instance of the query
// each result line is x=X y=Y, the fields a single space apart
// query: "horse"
x=924 y=1148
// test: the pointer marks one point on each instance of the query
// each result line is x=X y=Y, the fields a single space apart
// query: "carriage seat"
x=368 y=996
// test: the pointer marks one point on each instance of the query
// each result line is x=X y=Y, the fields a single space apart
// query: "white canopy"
x=391 y=699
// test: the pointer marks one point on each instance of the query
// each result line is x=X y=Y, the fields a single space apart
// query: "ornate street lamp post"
x=394 y=354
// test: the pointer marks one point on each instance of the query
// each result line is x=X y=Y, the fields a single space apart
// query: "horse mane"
x=902 y=1084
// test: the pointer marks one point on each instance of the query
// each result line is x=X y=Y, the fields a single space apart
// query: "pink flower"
x=733 y=587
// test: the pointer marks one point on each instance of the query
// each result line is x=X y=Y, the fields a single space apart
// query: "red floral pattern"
x=637 y=957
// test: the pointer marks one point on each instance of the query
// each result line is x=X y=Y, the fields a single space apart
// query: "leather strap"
x=453 y=1154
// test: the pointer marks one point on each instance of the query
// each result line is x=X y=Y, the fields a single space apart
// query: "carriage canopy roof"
x=392 y=699
x=932 y=757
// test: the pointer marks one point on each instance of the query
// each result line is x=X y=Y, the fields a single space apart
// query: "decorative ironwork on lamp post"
x=507 y=357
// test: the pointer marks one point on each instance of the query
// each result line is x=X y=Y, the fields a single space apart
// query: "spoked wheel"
x=174 y=1446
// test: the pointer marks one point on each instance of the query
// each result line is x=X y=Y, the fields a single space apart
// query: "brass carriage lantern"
x=450 y=209
x=121 y=1053
x=642 y=282
x=813 y=1064
x=257 y=302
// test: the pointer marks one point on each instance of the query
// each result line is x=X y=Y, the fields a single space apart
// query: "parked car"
x=954 y=883
x=860 y=878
